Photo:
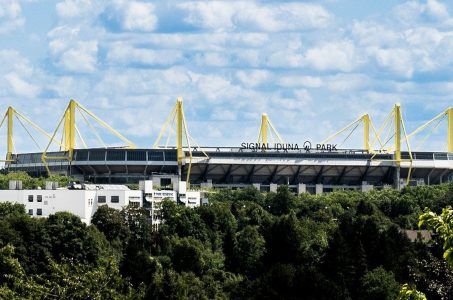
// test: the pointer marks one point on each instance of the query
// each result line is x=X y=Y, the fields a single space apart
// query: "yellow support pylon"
x=367 y=126
x=366 y=132
x=177 y=119
x=179 y=130
x=397 y=119
x=70 y=130
x=9 y=116
x=267 y=130
x=10 y=143
x=264 y=128
x=450 y=129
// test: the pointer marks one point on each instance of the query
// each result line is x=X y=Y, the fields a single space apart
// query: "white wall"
x=82 y=203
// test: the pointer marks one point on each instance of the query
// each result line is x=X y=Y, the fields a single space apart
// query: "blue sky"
x=312 y=66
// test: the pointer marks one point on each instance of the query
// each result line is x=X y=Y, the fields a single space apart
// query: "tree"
x=248 y=251
x=443 y=226
x=70 y=238
x=409 y=293
x=112 y=224
x=281 y=202
x=379 y=284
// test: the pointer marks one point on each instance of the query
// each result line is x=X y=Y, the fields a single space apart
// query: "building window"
x=165 y=181
x=30 y=212
x=39 y=198
x=39 y=212
x=30 y=198
x=115 y=199
x=102 y=199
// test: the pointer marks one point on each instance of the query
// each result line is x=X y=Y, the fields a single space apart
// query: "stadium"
x=265 y=163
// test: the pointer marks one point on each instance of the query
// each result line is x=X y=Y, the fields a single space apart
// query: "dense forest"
x=243 y=245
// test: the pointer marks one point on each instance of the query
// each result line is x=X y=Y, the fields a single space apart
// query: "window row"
x=38 y=212
x=38 y=198
x=113 y=199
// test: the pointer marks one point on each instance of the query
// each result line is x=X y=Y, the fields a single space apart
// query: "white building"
x=84 y=200
x=80 y=202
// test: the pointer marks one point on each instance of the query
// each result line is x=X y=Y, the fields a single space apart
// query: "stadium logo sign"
x=268 y=146
x=307 y=146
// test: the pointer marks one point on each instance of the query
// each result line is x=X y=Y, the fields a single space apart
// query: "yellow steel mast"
x=450 y=129
x=367 y=125
x=366 y=132
x=179 y=130
x=70 y=131
x=69 y=128
x=264 y=128
x=268 y=130
x=397 y=119
x=10 y=144
x=176 y=118
x=9 y=116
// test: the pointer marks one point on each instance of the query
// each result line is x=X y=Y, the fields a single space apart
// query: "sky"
x=313 y=67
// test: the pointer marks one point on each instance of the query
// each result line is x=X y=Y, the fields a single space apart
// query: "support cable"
x=92 y=128
x=108 y=127
x=80 y=137
x=349 y=135
x=28 y=132
x=429 y=133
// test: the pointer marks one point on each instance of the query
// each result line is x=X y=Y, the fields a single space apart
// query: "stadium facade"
x=319 y=168
x=312 y=170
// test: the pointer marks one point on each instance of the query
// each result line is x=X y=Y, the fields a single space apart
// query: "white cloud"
x=223 y=114
x=134 y=15
x=253 y=78
x=212 y=59
x=436 y=9
x=81 y=57
x=370 y=33
x=347 y=82
x=21 y=87
x=251 y=16
x=18 y=77
x=10 y=15
x=415 y=11
x=298 y=81
x=75 y=8
x=336 y=56
x=397 y=60
x=125 y=54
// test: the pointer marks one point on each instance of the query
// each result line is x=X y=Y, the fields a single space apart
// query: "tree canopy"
x=243 y=245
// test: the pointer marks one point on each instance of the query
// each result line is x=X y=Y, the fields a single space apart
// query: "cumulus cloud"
x=232 y=60
x=125 y=54
x=414 y=11
x=133 y=15
x=10 y=15
x=75 y=8
x=251 y=16
x=253 y=78
x=337 y=56
x=78 y=57
x=21 y=87
x=397 y=60
x=18 y=75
